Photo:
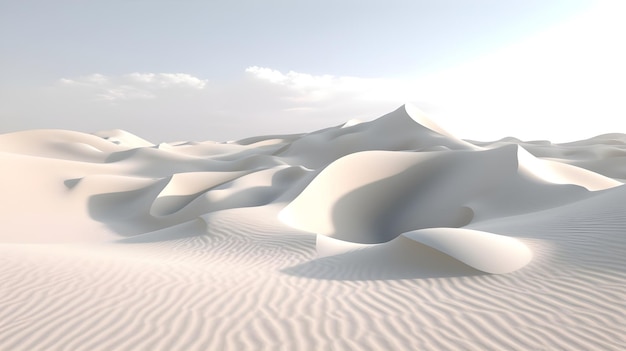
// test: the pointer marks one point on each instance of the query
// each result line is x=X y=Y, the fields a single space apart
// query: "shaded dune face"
x=372 y=197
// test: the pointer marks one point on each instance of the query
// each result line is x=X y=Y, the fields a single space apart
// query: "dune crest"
x=562 y=173
x=484 y=251
x=123 y=138
x=480 y=250
x=396 y=131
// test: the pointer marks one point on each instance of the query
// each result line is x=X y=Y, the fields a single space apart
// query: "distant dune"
x=391 y=234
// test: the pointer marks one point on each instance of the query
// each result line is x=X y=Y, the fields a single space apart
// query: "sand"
x=384 y=235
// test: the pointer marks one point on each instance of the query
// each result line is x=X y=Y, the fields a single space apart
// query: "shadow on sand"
x=401 y=258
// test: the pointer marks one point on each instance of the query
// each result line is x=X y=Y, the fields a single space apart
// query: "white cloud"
x=167 y=80
x=90 y=80
x=133 y=86
x=307 y=88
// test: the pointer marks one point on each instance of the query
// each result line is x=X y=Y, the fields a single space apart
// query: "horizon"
x=483 y=72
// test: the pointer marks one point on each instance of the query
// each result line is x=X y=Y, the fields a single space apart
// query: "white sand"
x=383 y=235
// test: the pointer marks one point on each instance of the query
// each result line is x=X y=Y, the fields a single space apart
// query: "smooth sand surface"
x=384 y=235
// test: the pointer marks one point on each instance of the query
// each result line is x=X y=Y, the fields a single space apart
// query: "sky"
x=214 y=70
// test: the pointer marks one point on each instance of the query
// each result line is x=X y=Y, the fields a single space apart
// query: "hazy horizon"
x=168 y=71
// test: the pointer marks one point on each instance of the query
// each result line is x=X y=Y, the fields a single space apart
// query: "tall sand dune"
x=391 y=234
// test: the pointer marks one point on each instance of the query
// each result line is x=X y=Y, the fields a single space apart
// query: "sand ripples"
x=224 y=290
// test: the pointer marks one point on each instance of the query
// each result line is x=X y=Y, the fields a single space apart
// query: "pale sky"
x=206 y=70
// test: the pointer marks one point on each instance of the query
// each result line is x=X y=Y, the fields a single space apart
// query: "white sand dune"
x=382 y=235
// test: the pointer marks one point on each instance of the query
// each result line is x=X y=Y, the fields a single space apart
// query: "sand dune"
x=363 y=197
x=381 y=235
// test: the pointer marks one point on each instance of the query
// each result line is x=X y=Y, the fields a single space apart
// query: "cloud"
x=133 y=86
x=302 y=87
x=307 y=88
x=299 y=81
x=167 y=80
